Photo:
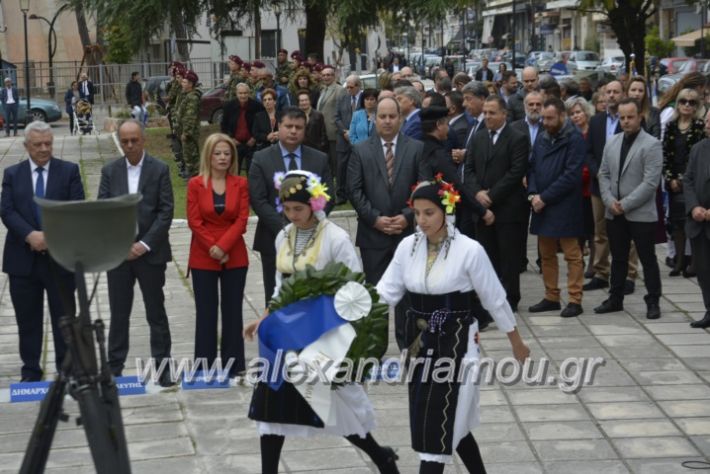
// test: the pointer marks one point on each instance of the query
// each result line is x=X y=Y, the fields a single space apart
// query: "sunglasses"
x=690 y=102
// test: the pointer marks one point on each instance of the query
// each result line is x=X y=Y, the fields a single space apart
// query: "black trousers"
x=701 y=256
x=268 y=270
x=342 y=174
x=244 y=155
x=223 y=290
x=11 y=117
x=27 y=295
x=621 y=232
x=374 y=263
x=121 y=280
x=503 y=243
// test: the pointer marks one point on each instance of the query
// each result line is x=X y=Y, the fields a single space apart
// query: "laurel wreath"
x=371 y=331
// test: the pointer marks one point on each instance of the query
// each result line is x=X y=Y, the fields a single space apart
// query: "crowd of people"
x=446 y=184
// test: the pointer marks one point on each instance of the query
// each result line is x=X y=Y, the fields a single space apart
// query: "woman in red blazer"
x=217 y=213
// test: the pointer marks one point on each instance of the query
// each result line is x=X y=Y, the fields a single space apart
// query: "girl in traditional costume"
x=439 y=267
x=311 y=239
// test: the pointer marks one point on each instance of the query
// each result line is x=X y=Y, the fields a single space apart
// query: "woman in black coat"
x=238 y=119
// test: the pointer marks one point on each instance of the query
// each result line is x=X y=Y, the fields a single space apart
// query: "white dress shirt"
x=497 y=135
x=134 y=177
x=394 y=145
x=45 y=173
x=10 y=98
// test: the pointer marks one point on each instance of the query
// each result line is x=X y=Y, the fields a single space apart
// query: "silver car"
x=584 y=60
x=612 y=64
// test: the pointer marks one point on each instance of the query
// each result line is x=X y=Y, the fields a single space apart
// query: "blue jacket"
x=15 y=95
x=413 y=127
x=17 y=210
x=360 y=127
x=556 y=175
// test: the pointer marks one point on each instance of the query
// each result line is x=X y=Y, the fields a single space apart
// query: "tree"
x=658 y=47
x=628 y=19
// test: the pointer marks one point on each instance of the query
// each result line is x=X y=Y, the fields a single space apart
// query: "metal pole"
x=512 y=62
x=278 y=32
x=27 y=69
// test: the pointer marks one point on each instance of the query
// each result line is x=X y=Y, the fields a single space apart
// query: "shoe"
x=629 y=287
x=702 y=323
x=33 y=378
x=674 y=273
x=545 y=305
x=589 y=274
x=670 y=262
x=572 y=310
x=609 y=306
x=689 y=272
x=653 y=310
x=389 y=465
x=595 y=284
x=166 y=380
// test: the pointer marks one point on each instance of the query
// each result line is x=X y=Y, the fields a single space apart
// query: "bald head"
x=531 y=79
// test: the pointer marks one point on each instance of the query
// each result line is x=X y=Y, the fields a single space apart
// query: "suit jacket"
x=18 y=212
x=516 y=107
x=327 y=104
x=232 y=109
x=696 y=188
x=370 y=192
x=343 y=117
x=263 y=194
x=522 y=126
x=635 y=189
x=412 y=127
x=458 y=132
x=155 y=211
x=316 y=136
x=3 y=96
x=479 y=75
x=500 y=169
x=595 y=151
x=361 y=128
x=225 y=230
x=84 y=95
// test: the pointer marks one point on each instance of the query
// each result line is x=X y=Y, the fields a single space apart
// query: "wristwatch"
x=531 y=197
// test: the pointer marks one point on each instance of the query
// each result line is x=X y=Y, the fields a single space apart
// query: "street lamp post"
x=277 y=12
x=25 y=7
x=51 y=44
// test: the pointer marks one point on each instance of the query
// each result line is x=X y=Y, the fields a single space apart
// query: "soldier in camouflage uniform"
x=188 y=120
x=173 y=89
x=236 y=75
x=284 y=71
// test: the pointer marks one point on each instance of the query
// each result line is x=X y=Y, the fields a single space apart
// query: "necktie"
x=353 y=103
x=292 y=165
x=493 y=136
x=39 y=192
x=389 y=160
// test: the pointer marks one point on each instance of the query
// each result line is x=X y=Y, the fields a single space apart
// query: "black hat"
x=428 y=190
x=433 y=113
x=294 y=188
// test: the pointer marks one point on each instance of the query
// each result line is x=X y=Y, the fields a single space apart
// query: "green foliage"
x=656 y=46
x=120 y=43
x=696 y=49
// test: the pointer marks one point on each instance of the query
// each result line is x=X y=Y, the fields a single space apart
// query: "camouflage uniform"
x=173 y=90
x=283 y=74
x=188 y=121
x=234 y=79
x=175 y=97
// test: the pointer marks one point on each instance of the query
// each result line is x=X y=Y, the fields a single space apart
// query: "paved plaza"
x=647 y=411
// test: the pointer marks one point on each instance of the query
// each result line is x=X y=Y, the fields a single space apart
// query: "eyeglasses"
x=690 y=102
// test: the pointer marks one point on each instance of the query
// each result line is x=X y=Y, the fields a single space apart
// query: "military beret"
x=284 y=51
x=246 y=66
x=236 y=59
x=318 y=67
x=258 y=65
x=434 y=113
x=297 y=55
x=191 y=76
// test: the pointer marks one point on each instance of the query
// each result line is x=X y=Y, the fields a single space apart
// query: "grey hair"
x=37 y=127
x=133 y=121
x=586 y=107
x=413 y=94
x=242 y=85
x=354 y=78
x=699 y=115
x=476 y=88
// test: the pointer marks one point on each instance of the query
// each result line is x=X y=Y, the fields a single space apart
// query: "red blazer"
x=225 y=230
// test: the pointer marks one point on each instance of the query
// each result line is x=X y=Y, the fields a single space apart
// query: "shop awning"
x=688 y=39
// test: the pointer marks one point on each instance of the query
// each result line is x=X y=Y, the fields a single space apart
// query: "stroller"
x=83 y=121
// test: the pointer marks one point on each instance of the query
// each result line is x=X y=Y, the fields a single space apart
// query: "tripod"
x=90 y=385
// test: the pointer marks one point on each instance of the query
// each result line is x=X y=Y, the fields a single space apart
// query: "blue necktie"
x=39 y=192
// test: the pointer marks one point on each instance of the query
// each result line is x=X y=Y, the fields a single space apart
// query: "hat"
x=297 y=55
x=318 y=67
x=191 y=76
x=258 y=65
x=433 y=113
x=246 y=66
x=236 y=59
x=282 y=50
x=439 y=192
x=304 y=187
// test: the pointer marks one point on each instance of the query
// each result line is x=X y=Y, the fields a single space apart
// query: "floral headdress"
x=303 y=186
x=438 y=191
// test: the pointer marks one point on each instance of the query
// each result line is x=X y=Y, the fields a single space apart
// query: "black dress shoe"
x=702 y=323
x=545 y=305
x=689 y=273
x=609 y=306
x=589 y=274
x=166 y=379
x=674 y=273
x=595 y=284
x=629 y=287
x=33 y=378
x=389 y=464
x=653 y=310
x=670 y=262
x=572 y=310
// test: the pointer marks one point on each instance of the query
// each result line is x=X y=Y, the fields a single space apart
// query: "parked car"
x=545 y=60
x=692 y=65
x=671 y=65
x=211 y=104
x=584 y=60
x=43 y=110
x=612 y=64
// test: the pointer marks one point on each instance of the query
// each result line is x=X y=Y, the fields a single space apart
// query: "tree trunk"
x=628 y=21
x=183 y=47
x=316 y=14
x=83 y=30
x=257 y=32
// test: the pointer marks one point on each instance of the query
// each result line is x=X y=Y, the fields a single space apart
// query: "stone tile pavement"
x=647 y=410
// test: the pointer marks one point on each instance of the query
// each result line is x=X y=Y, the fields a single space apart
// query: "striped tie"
x=389 y=160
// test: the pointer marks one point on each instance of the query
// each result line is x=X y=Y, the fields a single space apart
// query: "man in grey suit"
x=287 y=154
x=138 y=172
x=344 y=110
x=327 y=102
x=696 y=188
x=381 y=173
x=629 y=174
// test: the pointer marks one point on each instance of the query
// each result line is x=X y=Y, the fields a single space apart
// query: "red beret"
x=297 y=55
x=246 y=66
x=191 y=76
x=236 y=59
x=258 y=65
x=318 y=67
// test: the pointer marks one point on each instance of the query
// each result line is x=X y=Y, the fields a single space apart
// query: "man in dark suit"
x=30 y=268
x=86 y=88
x=628 y=177
x=238 y=121
x=381 y=172
x=138 y=172
x=458 y=122
x=483 y=73
x=696 y=189
x=10 y=99
x=344 y=110
x=513 y=100
x=602 y=127
x=496 y=163
x=286 y=155
x=410 y=105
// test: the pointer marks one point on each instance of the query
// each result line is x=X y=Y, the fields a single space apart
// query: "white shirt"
x=497 y=135
x=10 y=98
x=134 y=174
x=45 y=175
x=394 y=145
